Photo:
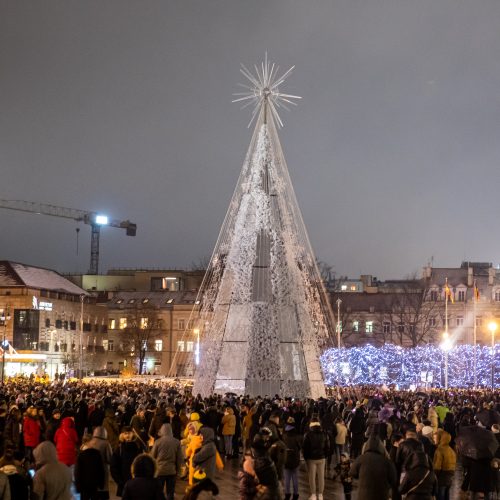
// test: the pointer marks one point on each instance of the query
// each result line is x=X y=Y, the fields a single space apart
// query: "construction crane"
x=93 y=219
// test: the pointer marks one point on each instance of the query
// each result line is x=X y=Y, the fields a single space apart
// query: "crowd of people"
x=65 y=436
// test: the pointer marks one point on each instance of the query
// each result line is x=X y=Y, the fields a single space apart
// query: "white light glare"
x=102 y=220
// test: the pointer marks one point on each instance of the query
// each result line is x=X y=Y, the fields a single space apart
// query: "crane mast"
x=93 y=219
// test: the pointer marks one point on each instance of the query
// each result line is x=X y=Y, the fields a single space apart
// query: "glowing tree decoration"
x=392 y=364
x=264 y=312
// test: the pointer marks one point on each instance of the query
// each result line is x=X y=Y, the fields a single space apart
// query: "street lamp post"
x=492 y=326
x=446 y=345
x=80 y=369
x=4 y=317
x=338 y=322
x=196 y=331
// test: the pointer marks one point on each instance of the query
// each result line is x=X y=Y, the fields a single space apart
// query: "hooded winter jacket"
x=419 y=482
x=66 y=440
x=52 y=480
x=167 y=452
x=445 y=460
x=100 y=443
x=121 y=462
x=205 y=457
x=374 y=468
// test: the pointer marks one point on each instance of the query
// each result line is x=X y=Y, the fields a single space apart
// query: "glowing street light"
x=492 y=327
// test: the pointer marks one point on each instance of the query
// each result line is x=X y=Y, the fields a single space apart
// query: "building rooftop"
x=14 y=274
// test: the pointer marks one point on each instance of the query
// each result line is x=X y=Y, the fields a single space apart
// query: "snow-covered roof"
x=15 y=274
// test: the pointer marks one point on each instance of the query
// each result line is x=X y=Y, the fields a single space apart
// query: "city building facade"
x=417 y=311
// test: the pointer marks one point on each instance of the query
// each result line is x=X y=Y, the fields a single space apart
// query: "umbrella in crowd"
x=477 y=443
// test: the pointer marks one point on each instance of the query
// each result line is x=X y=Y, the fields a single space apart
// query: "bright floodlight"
x=102 y=220
x=446 y=345
x=492 y=326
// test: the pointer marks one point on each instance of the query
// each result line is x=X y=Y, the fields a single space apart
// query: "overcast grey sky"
x=125 y=107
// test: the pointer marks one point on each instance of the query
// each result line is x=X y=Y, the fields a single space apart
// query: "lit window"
x=197 y=302
x=180 y=345
x=181 y=324
x=355 y=326
x=123 y=323
x=131 y=301
x=189 y=346
x=144 y=323
x=170 y=301
x=369 y=327
x=145 y=301
x=105 y=344
x=112 y=323
x=343 y=288
x=159 y=345
x=460 y=320
x=353 y=288
x=119 y=301
x=387 y=327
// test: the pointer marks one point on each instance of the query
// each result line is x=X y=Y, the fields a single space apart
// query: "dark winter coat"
x=143 y=488
x=157 y=421
x=419 y=481
x=52 y=425
x=374 y=468
x=205 y=457
x=121 y=463
x=12 y=431
x=167 y=452
x=112 y=428
x=89 y=471
x=316 y=444
x=293 y=445
x=405 y=449
x=479 y=476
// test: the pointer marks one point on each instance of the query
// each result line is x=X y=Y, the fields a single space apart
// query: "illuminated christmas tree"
x=264 y=312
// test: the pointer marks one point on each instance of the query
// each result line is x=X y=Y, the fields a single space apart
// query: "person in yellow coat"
x=194 y=444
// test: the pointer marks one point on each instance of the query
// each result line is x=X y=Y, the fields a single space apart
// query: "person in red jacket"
x=31 y=432
x=66 y=440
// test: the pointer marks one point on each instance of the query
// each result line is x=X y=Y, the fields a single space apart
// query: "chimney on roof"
x=366 y=279
x=470 y=276
x=491 y=275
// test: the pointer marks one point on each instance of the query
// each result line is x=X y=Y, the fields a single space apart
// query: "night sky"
x=124 y=107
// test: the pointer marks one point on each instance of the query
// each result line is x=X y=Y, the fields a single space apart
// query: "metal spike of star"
x=264 y=88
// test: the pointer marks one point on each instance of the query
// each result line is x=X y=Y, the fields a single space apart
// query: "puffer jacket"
x=31 y=431
x=66 y=440
x=293 y=444
x=419 y=481
x=167 y=452
x=445 y=460
x=121 y=462
x=316 y=444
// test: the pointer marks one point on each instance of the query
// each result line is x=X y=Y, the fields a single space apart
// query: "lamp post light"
x=339 y=324
x=196 y=331
x=492 y=327
x=446 y=345
x=4 y=317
